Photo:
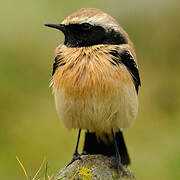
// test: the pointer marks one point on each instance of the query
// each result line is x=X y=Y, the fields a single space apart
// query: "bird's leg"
x=77 y=144
x=76 y=155
x=120 y=167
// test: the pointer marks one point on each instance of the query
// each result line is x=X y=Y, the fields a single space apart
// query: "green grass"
x=41 y=174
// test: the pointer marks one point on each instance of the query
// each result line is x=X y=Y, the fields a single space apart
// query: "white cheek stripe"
x=102 y=20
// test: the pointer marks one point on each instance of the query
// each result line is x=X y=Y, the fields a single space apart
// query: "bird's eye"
x=86 y=26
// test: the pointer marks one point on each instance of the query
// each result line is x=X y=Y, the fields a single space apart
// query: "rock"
x=94 y=167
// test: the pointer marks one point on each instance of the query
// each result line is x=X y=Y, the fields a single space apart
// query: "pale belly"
x=118 y=109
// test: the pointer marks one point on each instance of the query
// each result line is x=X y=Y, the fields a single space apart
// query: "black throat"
x=83 y=35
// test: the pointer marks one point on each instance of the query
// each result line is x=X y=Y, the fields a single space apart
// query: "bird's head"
x=90 y=26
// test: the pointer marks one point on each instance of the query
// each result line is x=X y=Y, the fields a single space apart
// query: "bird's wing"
x=58 y=61
x=125 y=57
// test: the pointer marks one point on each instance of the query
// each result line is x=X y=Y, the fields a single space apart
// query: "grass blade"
x=42 y=164
x=22 y=167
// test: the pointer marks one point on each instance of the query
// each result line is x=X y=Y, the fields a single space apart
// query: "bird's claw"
x=76 y=156
x=121 y=169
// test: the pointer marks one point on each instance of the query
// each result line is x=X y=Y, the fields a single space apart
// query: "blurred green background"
x=29 y=126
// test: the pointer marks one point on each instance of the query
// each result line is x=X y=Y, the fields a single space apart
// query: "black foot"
x=121 y=169
x=76 y=156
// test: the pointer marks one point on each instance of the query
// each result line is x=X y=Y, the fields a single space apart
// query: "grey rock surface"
x=94 y=167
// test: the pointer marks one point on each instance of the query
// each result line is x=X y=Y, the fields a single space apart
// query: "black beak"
x=61 y=27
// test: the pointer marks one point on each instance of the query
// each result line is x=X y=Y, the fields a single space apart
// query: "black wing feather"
x=58 y=61
x=127 y=59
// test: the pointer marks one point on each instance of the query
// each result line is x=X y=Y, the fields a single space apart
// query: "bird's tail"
x=94 y=145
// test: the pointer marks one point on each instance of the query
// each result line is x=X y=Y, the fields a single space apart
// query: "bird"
x=95 y=82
